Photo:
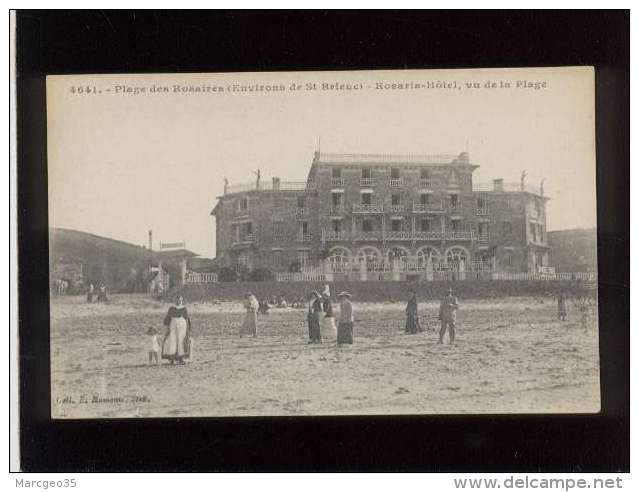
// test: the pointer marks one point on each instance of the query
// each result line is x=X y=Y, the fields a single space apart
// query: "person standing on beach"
x=561 y=307
x=176 y=344
x=329 y=330
x=448 y=316
x=313 y=317
x=345 y=325
x=90 y=292
x=412 y=319
x=249 y=327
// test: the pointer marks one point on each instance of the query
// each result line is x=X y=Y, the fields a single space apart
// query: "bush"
x=262 y=275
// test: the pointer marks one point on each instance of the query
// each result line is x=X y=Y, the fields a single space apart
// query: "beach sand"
x=512 y=356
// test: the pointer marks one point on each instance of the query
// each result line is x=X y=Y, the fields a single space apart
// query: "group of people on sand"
x=321 y=318
x=447 y=315
x=177 y=344
x=101 y=293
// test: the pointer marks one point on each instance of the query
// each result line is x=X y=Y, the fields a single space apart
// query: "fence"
x=200 y=278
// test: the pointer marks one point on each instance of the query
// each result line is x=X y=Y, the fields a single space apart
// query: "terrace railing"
x=483 y=211
x=508 y=186
x=336 y=236
x=428 y=208
x=460 y=235
x=396 y=182
x=397 y=209
x=425 y=182
x=388 y=158
x=371 y=208
x=268 y=186
x=399 y=235
x=367 y=181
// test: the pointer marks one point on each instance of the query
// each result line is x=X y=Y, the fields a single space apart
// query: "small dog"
x=154 y=345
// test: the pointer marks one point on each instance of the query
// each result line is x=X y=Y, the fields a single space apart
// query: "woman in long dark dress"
x=176 y=345
x=345 y=325
x=412 y=319
x=314 y=313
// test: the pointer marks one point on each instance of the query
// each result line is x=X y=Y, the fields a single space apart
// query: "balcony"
x=397 y=209
x=336 y=209
x=428 y=235
x=368 y=208
x=483 y=211
x=337 y=181
x=484 y=237
x=367 y=181
x=425 y=182
x=396 y=182
x=455 y=209
x=367 y=236
x=336 y=236
x=428 y=208
x=304 y=238
x=399 y=235
x=301 y=212
x=460 y=235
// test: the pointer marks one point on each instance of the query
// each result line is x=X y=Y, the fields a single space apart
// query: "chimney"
x=276 y=184
x=498 y=184
x=150 y=240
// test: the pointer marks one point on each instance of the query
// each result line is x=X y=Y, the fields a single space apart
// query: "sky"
x=124 y=159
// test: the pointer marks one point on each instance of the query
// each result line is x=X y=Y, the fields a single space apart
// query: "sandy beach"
x=511 y=356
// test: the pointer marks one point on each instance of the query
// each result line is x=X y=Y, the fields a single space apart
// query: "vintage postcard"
x=323 y=243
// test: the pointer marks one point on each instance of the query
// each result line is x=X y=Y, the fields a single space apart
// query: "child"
x=154 y=345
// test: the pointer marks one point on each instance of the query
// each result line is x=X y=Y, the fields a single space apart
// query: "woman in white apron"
x=329 y=330
x=176 y=345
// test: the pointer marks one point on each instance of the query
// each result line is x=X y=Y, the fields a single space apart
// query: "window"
x=481 y=202
x=279 y=229
x=541 y=233
x=507 y=228
x=367 y=198
x=367 y=225
x=367 y=173
x=336 y=172
x=424 y=174
x=336 y=225
x=248 y=228
x=278 y=258
x=242 y=204
x=455 y=225
x=236 y=232
x=533 y=232
x=301 y=201
x=425 y=225
x=337 y=199
x=508 y=259
x=394 y=173
x=454 y=201
x=242 y=260
x=396 y=199
x=304 y=228
x=483 y=230
x=302 y=257
x=424 y=198
x=396 y=225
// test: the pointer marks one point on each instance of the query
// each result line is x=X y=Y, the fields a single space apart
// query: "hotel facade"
x=367 y=217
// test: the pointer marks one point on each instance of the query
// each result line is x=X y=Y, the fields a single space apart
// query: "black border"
x=150 y=41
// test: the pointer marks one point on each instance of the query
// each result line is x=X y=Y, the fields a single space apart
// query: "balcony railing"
x=301 y=212
x=370 y=208
x=337 y=181
x=396 y=182
x=483 y=211
x=484 y=237
x=428 y=208
x=367 y=236
x=336 y=209
x=425 y=182
x=455 y=209
x=429 y=235
x=397 y=209
x=507 y=186
x=399 y=235
x=460 y=235
x=268 y=186
x=304 y=238
x=336 y=236
x=367 y=181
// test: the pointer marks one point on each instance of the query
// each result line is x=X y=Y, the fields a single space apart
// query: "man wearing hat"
x=448 y=316
x=345 y=325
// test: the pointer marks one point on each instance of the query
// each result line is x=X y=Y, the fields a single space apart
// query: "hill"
x=573 y=250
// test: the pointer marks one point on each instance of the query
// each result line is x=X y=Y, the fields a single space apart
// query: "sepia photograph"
x=373 y=242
